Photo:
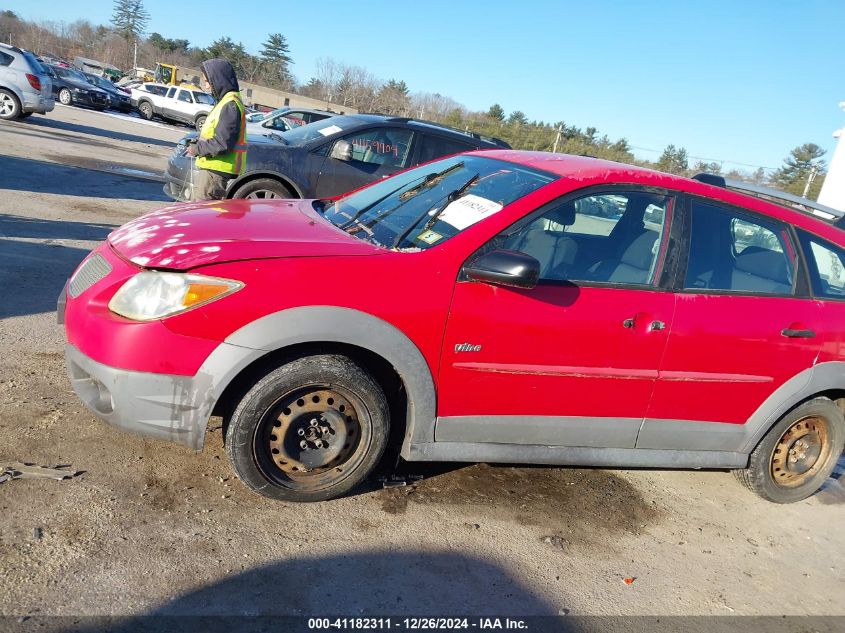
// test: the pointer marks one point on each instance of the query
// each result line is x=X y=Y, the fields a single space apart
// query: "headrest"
x=640 y=252
x=762 y=262
x=564 y=214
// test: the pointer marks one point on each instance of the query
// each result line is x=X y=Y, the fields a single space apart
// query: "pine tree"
x=129 y=20
x=803 y=163
x=496 y=112
x=275 y=52
x=673 y=160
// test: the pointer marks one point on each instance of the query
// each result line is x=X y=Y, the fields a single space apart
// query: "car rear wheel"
x=146 y=110
x=263 y=188
x=65 y=98
x=199 y=123
x=311 y=430
x=10 y=107
x=798 y=453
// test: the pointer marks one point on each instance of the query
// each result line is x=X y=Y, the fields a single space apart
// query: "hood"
x=190 y=235
x=221 y=76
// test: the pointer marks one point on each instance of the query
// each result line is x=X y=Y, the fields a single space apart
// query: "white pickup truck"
x=172 y=103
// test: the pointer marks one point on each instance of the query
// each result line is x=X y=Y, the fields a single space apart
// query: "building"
x=833 y=189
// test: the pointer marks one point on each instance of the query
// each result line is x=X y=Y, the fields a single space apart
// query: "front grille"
x=92 y=270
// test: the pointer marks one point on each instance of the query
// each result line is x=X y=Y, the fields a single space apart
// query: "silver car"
x=24 y=86
x=285 y=119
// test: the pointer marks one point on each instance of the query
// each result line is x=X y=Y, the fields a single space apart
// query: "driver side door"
x=376 y=153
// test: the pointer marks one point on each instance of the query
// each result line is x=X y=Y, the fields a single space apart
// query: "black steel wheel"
x=311 y=430
x=798 y=454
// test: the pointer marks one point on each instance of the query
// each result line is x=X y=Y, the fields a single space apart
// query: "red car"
x=493 y=306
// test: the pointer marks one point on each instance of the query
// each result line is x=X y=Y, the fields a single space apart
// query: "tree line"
x=355 y=87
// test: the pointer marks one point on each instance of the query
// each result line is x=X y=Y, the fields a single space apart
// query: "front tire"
x=146 y=110
x=65 y=98
x=262 y=189
x=200 y=121
x=798 y=453
x=311 y=430
x=10 y=107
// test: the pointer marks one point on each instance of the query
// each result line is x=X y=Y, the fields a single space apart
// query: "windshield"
x=203 y=97
x=318 y=129
x=98 y=81
x=426 y=206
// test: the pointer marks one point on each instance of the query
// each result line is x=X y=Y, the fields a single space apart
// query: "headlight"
x=154 y=295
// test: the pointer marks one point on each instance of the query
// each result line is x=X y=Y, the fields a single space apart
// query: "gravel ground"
x=153 y=528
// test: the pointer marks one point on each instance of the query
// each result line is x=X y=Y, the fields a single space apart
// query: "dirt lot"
x=153 y=528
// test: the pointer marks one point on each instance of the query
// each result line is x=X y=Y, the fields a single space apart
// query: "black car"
x=118 y=99
x=330 y=157
x=71 y=87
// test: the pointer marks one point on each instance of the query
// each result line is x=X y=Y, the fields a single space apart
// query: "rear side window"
x=827 y=266
x=432 y=147
x=732 y=251
x=5 y=59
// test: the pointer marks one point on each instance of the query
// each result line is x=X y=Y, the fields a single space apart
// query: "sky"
x=741 y=83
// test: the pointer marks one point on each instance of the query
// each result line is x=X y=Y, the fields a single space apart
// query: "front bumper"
x=179 y=176
x=167 y=407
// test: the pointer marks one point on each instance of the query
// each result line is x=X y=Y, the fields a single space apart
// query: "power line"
x=710 y=160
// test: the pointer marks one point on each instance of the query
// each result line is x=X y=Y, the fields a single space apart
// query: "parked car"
x=71 y=87
x=330 y=157
x=175 y=103
x=118 y=99
x=285 y=119
x=144 y=89
x=465 y=310
x=25 y=87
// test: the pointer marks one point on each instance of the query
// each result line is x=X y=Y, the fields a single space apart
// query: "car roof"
x=596 y=170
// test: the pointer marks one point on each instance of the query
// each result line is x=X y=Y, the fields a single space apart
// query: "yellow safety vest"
x=228 y=162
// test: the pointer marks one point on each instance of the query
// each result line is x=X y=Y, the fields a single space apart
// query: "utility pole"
x=135 y=57
x=810 y=178
x=557 y=138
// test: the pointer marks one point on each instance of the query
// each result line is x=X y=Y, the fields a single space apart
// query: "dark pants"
x=208 y=185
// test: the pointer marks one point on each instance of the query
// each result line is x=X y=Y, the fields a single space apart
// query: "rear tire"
x=263 y=189
x=10 y=107
x=146 y=110
x=798 y=453
x=311 y=430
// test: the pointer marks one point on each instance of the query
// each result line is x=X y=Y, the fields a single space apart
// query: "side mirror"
x=505 y=268
x=342 y=150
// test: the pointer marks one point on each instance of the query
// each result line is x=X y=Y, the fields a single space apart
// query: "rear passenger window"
x=827 y=267
x=730 y=251
x=607 y=238
x=433 y=147
x=5 y=59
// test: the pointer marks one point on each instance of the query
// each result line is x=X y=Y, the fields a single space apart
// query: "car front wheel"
x=798 y=453
x=311 y=430
x=199 y=123
x=65 y=98
x=146 y=110
x=263 y=188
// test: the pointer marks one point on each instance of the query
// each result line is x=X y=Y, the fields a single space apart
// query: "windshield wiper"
x=363 y=210
x=450 y=198
x=430 y=181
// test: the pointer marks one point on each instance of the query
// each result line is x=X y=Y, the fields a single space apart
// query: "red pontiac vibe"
x=491 y=306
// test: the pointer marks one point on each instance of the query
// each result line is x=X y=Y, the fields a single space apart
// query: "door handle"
x=797 y=333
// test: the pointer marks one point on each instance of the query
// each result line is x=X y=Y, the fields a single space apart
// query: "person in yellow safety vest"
x=221 y=146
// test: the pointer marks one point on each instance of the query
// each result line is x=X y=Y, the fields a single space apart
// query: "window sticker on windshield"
x=326 y=131
x=466 y=211
x=429 y=237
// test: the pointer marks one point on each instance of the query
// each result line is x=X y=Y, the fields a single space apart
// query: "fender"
x=813 y=380
x=339 y=325
x=255 y=175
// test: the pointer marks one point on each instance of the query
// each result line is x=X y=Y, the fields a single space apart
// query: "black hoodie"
x=223 y=80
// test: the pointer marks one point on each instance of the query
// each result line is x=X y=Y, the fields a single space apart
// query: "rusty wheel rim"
x=312 y=438
x=801 y=452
